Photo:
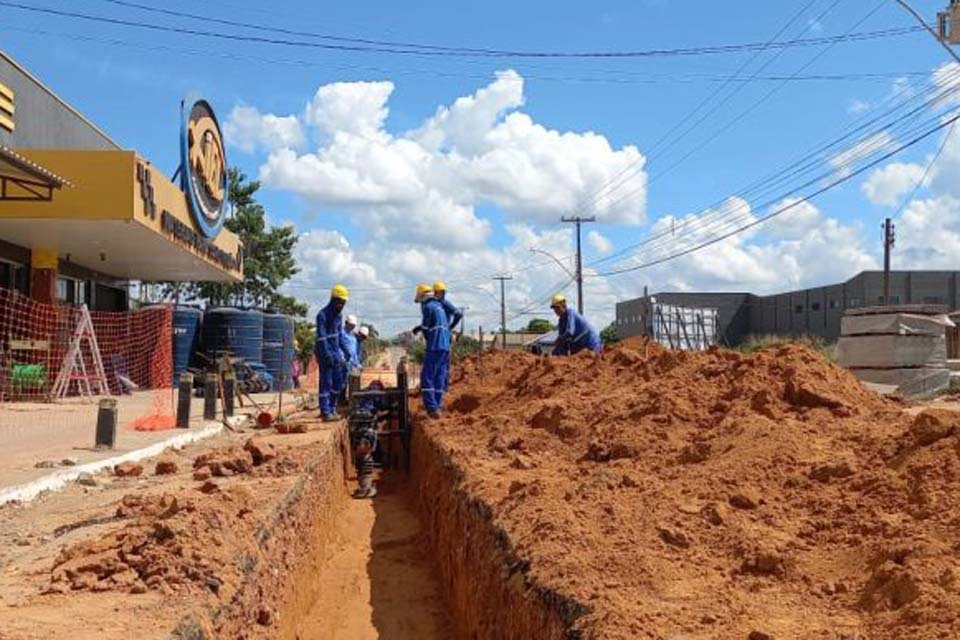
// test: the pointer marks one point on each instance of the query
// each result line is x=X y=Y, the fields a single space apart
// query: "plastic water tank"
x=186 y=338
x=235 y=330
x=278 y=349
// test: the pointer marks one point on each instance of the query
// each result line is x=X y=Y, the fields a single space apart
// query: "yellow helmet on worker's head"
x=439 y=286
x=423 y=291
x=340 y=292
x=558 y=300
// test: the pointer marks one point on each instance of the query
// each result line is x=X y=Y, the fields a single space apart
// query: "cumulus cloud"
x=600 y=243
x=248 y=129
x=857 y=107
x=479 y=150
x=845 y=161
x=888 y=184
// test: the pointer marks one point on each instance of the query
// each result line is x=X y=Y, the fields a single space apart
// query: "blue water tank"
x=278 y=349
x=186 y=338
x=235 y=330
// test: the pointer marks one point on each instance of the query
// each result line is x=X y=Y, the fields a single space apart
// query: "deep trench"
x=422 y=560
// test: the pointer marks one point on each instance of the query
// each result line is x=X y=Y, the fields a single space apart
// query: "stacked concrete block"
x=903 y=347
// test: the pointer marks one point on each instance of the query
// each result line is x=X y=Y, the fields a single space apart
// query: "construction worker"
x=329 y=352
x=436 y=331
x=348 y=344
x=574 y=333
x=454 y=316
x=363 y=333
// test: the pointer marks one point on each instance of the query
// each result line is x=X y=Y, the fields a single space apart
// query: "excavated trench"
x=421 y=561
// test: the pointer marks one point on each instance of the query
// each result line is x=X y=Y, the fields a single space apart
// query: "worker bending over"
x=328 y=350
x=574 y=333
x=436 y=331
x=348 y=345
x=363 y=333
x=454 y=316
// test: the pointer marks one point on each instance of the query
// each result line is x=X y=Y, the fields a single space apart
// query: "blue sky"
x=129 y=81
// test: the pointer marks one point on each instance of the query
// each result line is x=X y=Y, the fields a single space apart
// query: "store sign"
x=184 y=233
x=203 y=165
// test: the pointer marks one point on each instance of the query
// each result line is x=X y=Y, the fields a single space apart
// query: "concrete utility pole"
x=889 y=237
x=578 y=220
x=503 y=308
x=945 y=21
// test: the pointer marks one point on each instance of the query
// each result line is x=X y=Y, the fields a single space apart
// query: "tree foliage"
x=268 y=260
x=540 y=325
x=609 y=335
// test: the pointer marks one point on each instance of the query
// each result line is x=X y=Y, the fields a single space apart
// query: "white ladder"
x=74 y=367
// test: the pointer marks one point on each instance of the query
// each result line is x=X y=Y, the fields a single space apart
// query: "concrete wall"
x=815 y=311
x=43 y=121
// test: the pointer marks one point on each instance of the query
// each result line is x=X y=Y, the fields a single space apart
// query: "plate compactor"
x=380 y=428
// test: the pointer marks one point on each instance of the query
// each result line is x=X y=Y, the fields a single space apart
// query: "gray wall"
x=815 y=311
x=42 y=120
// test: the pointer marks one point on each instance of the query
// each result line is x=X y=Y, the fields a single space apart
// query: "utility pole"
x=946 y=20
x=503 y=308
x=578 y=220
x=889 y=238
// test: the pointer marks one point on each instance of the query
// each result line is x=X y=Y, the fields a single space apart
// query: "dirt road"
x=377 y=583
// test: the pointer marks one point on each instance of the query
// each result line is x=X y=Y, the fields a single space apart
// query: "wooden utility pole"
x=578 y=220
x=503 y=308
x=889 y=238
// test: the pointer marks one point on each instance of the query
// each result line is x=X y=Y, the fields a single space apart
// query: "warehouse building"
x=816 y=311
x=80 y=217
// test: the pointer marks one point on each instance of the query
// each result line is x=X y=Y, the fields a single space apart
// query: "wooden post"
x=211 y=386
x=106 y=424
x=229 y=394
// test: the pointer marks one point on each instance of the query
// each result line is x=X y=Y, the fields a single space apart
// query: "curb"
x=59 y=479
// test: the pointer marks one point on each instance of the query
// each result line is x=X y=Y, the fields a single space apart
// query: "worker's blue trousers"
x=433 y=379
x=328 y=391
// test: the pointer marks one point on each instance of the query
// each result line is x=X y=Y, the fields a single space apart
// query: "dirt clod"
x=128 y=470
x=165 y=468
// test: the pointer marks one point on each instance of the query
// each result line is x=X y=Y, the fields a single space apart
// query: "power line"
x=788 y=207
x=489 y=53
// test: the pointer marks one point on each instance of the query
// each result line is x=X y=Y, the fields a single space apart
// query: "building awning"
x=23 y=179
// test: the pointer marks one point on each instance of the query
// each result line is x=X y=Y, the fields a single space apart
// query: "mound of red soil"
x=717 y=494
x=171 y=543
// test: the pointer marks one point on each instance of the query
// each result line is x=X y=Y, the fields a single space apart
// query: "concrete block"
x=910 y=382
x=892 y=351
x=894 y=323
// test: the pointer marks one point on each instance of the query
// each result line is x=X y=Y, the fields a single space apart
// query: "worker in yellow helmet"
x=574 y=333
x=454 y=316
x=328 y=351
x=436 y=331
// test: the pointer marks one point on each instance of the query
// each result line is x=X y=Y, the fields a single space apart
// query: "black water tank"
x=238 y=331
x=186 y=338
x=278 y=349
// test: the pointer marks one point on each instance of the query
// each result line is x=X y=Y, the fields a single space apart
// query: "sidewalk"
x=32 y=433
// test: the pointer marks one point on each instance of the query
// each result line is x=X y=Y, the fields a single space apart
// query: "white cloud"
x=846 y=161
x=425 y=184
x=888 y=184
x=857 y=107
x=247 y=129
x=797 y=219
x=600 y=243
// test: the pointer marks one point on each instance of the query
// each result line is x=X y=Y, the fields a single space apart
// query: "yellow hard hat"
x=558 y=300
x=439 y=286
x=423 y=290
x=340 y=291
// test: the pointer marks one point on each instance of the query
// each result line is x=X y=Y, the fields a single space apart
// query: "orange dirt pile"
x=715 y=495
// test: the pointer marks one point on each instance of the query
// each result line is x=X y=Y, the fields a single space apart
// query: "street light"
x=555 y=259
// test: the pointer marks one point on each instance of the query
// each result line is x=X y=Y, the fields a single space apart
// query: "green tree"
x=304 y=337
x=539 y=325
x=268 y=260
x=609 y=335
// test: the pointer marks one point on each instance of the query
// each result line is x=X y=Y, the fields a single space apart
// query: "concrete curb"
x=59 y=479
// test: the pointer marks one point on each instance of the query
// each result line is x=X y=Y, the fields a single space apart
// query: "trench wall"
x=488 y=589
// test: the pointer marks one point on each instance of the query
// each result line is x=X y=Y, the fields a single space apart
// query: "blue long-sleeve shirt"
x=349 y=345
x=454 y=315
x=575 y=334
x=436 y=329
x=329 y=328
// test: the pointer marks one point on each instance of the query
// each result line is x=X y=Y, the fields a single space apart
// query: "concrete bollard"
x=210 y=396
x=229 y=394
x=184 y=398
x=106 y=424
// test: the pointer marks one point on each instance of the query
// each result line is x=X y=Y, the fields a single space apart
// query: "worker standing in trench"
x=454 y=316
x=436 y=331
x=348 y=344
x=574 y=333
x=329 y=352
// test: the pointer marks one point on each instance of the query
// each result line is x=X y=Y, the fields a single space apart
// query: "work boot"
x=331 y=417
x=434 y=413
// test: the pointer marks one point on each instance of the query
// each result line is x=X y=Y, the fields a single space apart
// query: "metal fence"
x=684 y=328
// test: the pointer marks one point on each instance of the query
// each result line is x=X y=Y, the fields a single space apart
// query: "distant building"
x=816 y=311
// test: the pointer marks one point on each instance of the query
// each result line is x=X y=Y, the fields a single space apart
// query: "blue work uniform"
x=433 y=376
x=454 y=316
x=574 y=334
x=329 y=356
